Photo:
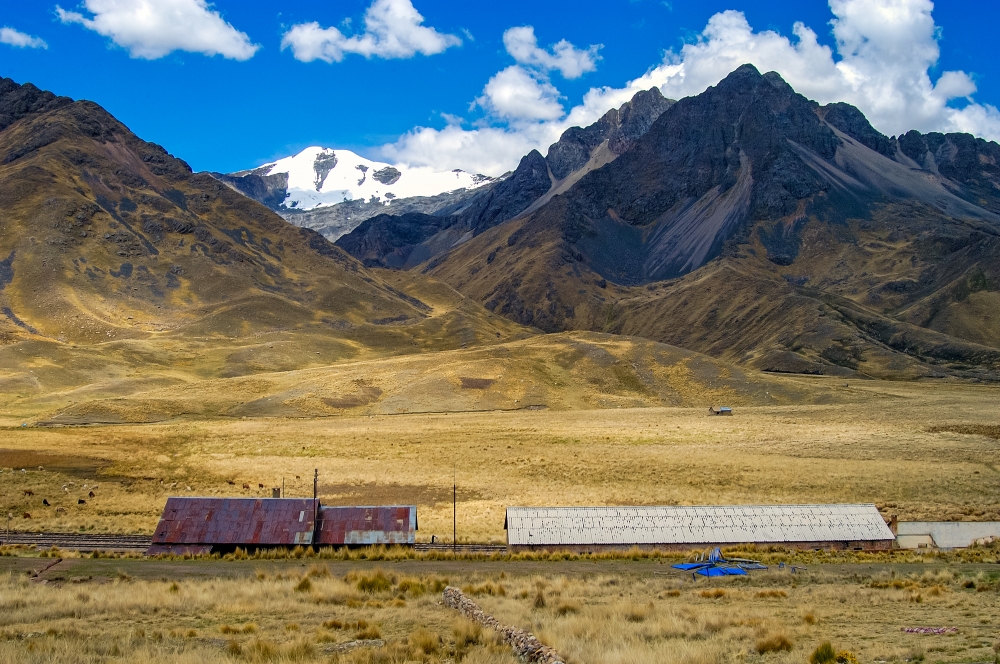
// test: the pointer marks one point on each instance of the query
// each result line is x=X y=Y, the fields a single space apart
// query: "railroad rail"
x=79 y=541
x=139 y=543
x=476 y=549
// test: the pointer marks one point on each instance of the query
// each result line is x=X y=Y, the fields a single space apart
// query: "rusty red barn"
x=205 y=525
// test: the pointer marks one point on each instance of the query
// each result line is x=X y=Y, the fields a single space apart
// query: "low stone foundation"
x=525 y=645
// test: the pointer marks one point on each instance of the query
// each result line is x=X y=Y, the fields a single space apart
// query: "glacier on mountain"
x=319 y=177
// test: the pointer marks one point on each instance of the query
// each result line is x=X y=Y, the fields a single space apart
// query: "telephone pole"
x=315 y=483
x=454 y=512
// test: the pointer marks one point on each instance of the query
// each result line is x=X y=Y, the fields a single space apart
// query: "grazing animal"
x=27 y=516
x=81 y=501
x=246 y=486
x=45 y=501
x=91 y=495
x=297 y=477
x=231 y=482
x=260 y=486
x=29 y=492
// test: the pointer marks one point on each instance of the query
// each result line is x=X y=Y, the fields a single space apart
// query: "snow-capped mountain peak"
x=320 y=176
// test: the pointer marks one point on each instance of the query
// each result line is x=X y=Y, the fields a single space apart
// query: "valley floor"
x=919 y=450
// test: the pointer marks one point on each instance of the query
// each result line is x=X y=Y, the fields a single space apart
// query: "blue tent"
x=716 y=565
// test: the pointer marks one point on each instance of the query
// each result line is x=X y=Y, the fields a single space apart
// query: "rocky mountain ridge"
x=764 y=228
x=404 y=240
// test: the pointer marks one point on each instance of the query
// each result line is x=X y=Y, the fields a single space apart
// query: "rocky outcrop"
x=270 y=190
x=620 y=127
x=525 y=645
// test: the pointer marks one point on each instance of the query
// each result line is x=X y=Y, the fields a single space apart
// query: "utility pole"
x=282 y=487
x=315 y=483
x=454 y=512
x=10 y=515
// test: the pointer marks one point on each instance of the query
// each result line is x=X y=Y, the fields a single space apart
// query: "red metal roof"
x=237 y=521
x=366 y=525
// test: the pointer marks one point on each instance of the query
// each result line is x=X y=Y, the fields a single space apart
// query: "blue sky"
x=448 y=91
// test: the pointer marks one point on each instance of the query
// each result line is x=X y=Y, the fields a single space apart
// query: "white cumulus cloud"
x=884 y=53
x=570 y=61
x=514 y=94
x=19 y=39
x=393 y=29
x=151 y=29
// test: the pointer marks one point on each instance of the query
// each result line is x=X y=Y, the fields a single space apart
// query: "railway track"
x=138 y=543
x=79 y=541
x=476 y=549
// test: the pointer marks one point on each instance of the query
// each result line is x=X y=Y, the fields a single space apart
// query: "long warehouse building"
x=595 y=529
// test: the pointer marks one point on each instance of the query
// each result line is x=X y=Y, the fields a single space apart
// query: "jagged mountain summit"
x=754 y=224
x=326 y=189
x=404 y=238
x=319 y=177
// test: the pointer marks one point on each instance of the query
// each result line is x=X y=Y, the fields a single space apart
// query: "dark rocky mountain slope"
x=754 y=224
x=404 y=240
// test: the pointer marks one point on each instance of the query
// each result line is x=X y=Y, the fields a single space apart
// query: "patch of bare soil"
x=79 y=466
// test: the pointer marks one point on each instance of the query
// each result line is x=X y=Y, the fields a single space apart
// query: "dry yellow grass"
x=264 y=618
x=877 y=448
x=599 y=612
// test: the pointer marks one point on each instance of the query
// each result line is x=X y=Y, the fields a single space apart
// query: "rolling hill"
x=108 y=241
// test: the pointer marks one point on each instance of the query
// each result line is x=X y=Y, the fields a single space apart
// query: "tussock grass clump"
x=368 y=632
x=824 y=654
x=713 y=593
x=248 y=628
x=491 y=589
x=424 y=642
x=374 y=583
x=637 y=613
x=466 y=633
x=413 y=587
x=777 y=594
x=774 y=643
x=567 y=608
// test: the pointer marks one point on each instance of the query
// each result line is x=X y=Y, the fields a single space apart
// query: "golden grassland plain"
x=922 y=451
x=596 y=611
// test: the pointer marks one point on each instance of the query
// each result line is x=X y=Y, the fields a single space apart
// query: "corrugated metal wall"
x=580 y=527
x=338 y=526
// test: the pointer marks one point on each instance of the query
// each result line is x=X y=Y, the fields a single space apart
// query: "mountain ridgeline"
x=753 y=224
x=105 y=238
x=403 y=241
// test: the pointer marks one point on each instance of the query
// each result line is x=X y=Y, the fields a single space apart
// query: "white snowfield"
x=322 y=176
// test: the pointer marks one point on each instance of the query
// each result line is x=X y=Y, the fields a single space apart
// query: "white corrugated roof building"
x=601 y=528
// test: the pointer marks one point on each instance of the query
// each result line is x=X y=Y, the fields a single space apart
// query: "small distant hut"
x=721 y=410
